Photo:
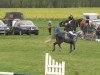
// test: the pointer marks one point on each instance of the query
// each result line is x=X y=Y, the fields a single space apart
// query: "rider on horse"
x=70 y=17
x=69 y=32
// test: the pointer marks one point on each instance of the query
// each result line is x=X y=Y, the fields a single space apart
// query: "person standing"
x=49 y=27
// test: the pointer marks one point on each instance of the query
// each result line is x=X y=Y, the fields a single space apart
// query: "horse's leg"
x=74 y=46
x=59 y=44
x=54 y=46
x=70 y=47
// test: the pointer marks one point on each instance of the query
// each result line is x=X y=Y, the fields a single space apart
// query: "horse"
x=78 y=21
x=83 y=27
x=67 y=38
x=62 y=23
x=88 y=33
x=73 y=24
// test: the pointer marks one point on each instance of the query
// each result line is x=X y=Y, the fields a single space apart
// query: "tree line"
x=48 y=3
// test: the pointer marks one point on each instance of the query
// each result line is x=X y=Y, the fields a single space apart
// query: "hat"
x=49 y=21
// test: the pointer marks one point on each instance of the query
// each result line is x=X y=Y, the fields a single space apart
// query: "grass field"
x=25 y=54
x=45 y=13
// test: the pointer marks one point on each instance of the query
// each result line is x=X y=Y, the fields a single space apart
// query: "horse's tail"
x=47 y=41
x=54 y=36
x=50 y=39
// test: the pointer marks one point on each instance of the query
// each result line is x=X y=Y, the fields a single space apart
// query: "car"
x=10 y=16
x=4 y=29
x=24 y=27
x=14 y=15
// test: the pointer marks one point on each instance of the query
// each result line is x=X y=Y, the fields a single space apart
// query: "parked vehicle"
x=10 y=16
x=25 y=27
x=4 y=29
x=92 y=17
x=14 y=15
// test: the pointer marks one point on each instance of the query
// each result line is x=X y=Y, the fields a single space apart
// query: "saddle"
x=70 y=36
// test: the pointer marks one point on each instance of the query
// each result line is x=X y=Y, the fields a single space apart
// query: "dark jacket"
x=98 y=30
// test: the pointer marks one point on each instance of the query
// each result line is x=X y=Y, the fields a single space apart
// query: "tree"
x=90 y=3
x=49 y=3
x=29 y=3
x=10 y=3
x=21 y=3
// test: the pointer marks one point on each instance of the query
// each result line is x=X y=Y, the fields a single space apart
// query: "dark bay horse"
x=67 y=38
x=72 y=24
x=75 y=23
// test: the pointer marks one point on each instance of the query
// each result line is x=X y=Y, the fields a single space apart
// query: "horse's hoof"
x=59 y=50
x=70 y=51
x=52 y=50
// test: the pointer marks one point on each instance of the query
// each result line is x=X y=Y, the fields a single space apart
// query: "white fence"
x=6 y=73
x=52 y=67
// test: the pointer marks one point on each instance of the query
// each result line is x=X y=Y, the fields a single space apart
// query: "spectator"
x=85 y=28
x=87 y=19
x=98 y=32
x=49 y=27
x=91 y=27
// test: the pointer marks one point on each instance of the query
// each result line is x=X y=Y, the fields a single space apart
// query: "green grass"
x=46 y=13
x=26 y=54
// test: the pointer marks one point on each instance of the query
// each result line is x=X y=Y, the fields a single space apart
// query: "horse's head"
x=62 y=23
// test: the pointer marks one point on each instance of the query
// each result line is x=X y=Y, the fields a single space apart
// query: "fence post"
x=52 y=67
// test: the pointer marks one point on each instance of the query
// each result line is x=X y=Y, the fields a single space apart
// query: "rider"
x=70 y=17
x=69 y=33
x=68 y=29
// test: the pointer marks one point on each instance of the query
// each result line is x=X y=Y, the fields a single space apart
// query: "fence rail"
x=52 y=67
x=6 y=73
